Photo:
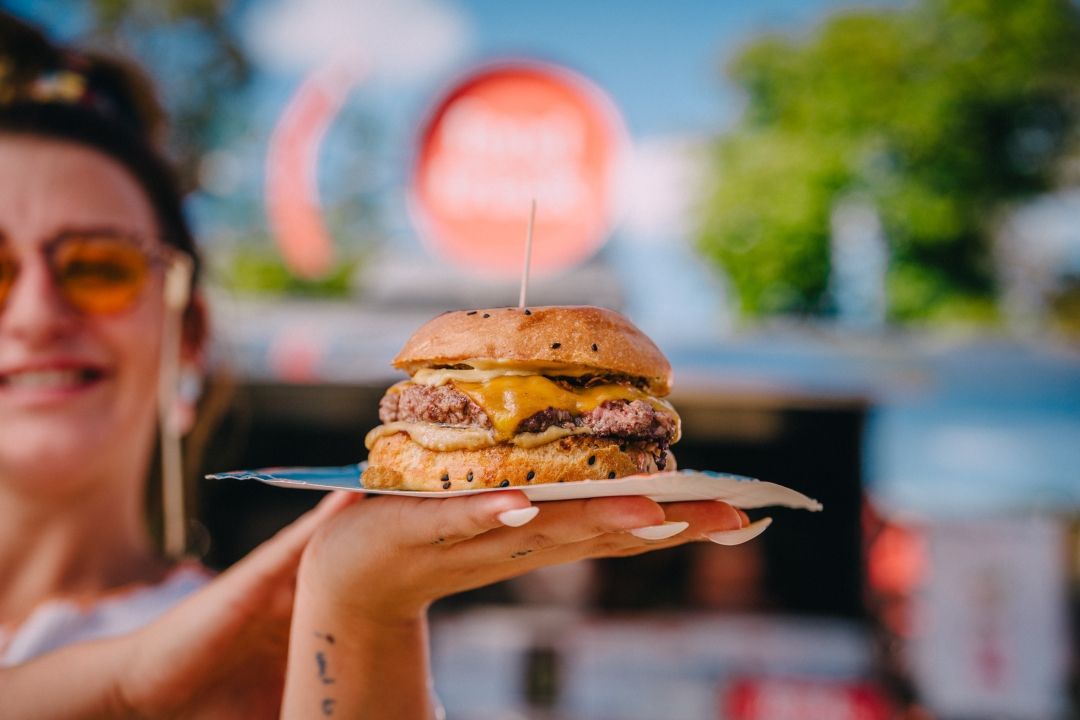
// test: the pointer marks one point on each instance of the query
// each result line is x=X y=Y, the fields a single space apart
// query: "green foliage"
x=259 y=271
x=937 y=113
x=193 y=50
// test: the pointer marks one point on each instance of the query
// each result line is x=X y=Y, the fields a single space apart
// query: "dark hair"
x=107 y=104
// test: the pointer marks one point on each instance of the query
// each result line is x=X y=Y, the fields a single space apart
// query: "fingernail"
x=517 y=518
x=738 y=537
x=671 y=528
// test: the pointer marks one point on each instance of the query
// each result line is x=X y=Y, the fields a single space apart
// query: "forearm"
x=80 y=681
x=344 y=665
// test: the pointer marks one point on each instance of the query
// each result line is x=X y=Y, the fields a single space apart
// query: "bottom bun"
x=397 y=463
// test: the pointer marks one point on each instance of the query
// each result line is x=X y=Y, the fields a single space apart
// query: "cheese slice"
x=484 y=370
x=434 y=437
x=509 y=399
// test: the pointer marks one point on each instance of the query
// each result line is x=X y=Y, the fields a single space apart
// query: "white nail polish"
x=738 y=537
x=517 y=518
x=668 y=529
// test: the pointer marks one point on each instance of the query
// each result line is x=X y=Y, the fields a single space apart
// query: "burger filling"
x=541 y=409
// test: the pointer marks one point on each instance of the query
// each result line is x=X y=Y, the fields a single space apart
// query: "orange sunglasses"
x=98 y=272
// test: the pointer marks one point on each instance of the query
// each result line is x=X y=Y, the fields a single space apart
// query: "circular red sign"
x=506 y=135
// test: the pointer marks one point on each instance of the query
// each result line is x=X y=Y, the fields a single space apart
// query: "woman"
x=94 y=622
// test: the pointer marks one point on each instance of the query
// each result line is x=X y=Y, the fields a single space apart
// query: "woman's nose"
x=34 y=310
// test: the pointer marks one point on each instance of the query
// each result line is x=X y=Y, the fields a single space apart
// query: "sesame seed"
x=445 y=477
x=594 y=348
x=471 y=312
x=468 y=476
x=446 y=485
x=556 y=346
x=487 y=315
x=611 y=475
x=592 y=460
x=504 y=483
x=528 y=312
x=531 y=475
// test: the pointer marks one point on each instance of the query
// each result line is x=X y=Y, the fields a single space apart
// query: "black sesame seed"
x=528 y=312
x=446 y=485
x=592 y=460
x=594 y=348
x=556 y=346
x=471 y=312
x=504 y=483
x=611 y=475
x=531 y=475
x=487 y=315
x=445 y=477
x=468 y=476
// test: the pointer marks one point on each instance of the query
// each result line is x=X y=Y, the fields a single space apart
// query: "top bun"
x=582 y=336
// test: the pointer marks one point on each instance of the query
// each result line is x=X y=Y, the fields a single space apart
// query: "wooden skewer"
x=528 y=256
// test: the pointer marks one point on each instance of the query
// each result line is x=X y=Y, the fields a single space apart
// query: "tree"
x=937 y=114
x=194 y=52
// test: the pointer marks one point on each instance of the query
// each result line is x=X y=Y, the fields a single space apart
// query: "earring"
x=189 y=390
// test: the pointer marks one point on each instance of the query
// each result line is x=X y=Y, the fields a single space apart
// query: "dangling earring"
x=176 y=291
x=188 y=391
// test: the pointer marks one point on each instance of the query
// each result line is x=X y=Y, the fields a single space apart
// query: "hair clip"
x=64 y=86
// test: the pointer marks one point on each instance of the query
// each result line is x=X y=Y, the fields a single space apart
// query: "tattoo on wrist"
x=322 y=664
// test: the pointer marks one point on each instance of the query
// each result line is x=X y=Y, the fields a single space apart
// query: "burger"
x=510 y=397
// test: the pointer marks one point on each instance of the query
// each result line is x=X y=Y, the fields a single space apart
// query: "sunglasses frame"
x=160 y=257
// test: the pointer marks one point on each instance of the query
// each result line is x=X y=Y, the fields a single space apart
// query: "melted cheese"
x=429 y=376
x=509 y=399
x=553 y=433
x=444 y=437
x=434 y=437
x=485 y=370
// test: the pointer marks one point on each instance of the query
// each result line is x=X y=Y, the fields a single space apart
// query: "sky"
x=661 y=62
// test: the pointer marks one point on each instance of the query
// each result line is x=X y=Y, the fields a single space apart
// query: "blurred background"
x=853 y=228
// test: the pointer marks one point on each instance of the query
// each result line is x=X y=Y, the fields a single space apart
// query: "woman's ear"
x=193 y=339
x=196 y=330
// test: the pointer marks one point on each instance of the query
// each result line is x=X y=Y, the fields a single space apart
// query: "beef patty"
x=634 y=420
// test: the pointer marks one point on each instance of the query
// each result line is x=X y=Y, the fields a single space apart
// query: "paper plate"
x=677 y=486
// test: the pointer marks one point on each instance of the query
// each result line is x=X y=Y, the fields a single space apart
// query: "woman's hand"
x=392 y=556
x=221 y=653
x=359 y=640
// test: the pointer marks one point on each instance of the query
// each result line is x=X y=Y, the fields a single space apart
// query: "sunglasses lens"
x=100 y=274
x=7 y=273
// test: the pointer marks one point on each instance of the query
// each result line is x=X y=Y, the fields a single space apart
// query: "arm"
x=358 y=644
x=70 y=684
x=344 y=665
x=220 y=653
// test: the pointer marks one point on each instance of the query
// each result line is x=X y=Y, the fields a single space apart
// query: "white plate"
x=677 y=486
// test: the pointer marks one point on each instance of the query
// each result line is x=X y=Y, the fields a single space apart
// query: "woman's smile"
x=49 y=382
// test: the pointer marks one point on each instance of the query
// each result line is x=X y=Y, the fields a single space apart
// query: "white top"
x=57 y=623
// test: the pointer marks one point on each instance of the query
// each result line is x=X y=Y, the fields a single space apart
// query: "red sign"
x=292 y=190
x=502 y=137
x=802 y=699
